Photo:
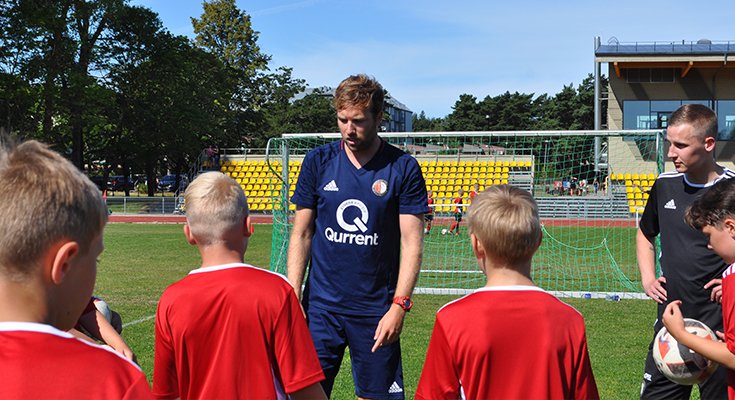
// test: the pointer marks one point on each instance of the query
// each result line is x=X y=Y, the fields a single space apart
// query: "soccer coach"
x=359 y=225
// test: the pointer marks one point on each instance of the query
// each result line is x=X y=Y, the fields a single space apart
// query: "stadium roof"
x=682 y=55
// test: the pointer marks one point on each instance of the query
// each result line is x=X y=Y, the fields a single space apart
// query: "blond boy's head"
x=505 y=221
x=215 y=208
x=44 y=200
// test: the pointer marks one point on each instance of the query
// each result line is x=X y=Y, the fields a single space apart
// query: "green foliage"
x=311 y=114
x=258 y=99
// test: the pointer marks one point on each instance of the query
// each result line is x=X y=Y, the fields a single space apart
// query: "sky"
x=427 y=53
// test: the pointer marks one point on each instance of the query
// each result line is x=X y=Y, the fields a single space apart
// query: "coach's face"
x=359 y=128
x=688 y=149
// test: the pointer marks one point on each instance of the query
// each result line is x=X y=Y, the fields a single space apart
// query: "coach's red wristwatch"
x=403 y=301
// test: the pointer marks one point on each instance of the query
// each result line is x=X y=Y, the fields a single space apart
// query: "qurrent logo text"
x=359 y=223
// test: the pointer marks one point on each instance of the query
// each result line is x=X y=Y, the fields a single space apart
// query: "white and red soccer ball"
x=679 y=363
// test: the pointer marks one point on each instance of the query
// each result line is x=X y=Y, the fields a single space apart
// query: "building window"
x=642 y=114
x=650 y=75
x=726 y=119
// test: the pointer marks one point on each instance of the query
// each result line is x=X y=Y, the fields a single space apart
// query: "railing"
x=144 y=205
x=700 y=46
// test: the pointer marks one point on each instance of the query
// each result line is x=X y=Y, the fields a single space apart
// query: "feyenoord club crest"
x=380 y=187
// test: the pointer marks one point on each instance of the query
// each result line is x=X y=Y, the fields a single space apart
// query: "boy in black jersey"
x=689 y=270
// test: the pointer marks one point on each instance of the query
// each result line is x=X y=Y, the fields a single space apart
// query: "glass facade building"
x=654 y=114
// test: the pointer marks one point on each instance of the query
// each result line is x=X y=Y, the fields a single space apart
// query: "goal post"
x=591 y=187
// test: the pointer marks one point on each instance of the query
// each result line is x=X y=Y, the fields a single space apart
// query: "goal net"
x=591 y=187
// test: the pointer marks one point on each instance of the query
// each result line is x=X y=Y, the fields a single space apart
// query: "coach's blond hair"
x=43 y=199
x=215 y=205
x=505 y=221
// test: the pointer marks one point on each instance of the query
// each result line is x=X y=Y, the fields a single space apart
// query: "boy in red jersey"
x=458 y=212
x=228 y=329
x=429 y=216
x=481 y=346
x=52 y=217
x=714 y=215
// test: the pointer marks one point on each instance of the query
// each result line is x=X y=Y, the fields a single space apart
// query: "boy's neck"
x=220 y=254
x=498 y=275
x=22 y=302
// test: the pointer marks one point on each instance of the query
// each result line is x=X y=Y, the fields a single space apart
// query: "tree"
x=422 y=123
x=258 y=97
x=313 y=113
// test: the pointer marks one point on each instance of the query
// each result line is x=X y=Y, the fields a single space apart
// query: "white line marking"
x=137 y=321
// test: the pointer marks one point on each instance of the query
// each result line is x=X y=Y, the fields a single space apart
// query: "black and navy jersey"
x=356 y=244
x=685 y=260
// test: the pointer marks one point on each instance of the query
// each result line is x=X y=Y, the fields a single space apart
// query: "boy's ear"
x=477 y=247
x=189 y=237
x=60 y=260
x=729 y=225
x=249 y=228
x=709 y=143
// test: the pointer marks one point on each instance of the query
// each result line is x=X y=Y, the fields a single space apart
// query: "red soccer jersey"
x=232 y=331
x=728 y=321
x=38 y=361
x=457 y=200
x=430 y=202
x=473 y=194
x=508 y=342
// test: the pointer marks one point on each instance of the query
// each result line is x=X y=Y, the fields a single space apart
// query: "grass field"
x=141 y=260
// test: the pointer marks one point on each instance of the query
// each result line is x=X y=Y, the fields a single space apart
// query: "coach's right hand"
x=655 y=289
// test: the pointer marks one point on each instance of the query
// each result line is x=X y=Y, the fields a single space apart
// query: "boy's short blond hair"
x=44 y=198
x=215 y=205
x=505 y=221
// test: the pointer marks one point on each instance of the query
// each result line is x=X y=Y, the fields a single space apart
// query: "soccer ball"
x=444 y=231
x=102 y=307
x=677 y=362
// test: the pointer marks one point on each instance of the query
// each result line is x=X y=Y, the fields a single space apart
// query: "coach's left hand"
x=389 y=327
x=716 y=286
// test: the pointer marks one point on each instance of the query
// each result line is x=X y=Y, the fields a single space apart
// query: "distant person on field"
x=458 y=212
x=475 y=191
x=228 y=329
x=429 y=216
x=714 y=215
x=51 y=237
x=509 y=339
x=691 y=272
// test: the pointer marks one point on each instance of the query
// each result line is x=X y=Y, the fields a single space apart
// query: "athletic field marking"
x=137 y=321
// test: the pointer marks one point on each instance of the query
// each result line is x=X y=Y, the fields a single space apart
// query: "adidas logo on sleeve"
x=670 y=205
x=331 y=187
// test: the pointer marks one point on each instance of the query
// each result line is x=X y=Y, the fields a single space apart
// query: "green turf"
x=141 y=260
